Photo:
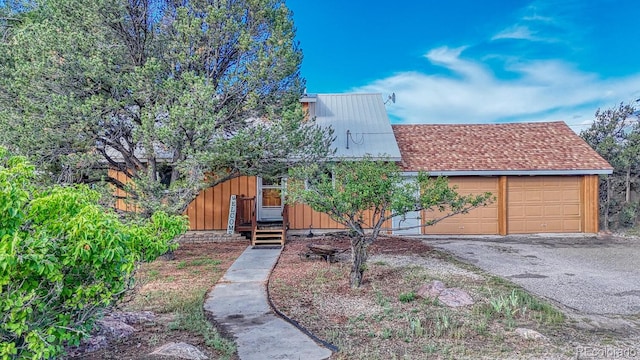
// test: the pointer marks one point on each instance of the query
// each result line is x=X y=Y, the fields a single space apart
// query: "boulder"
x=114 y=329
x=454 y=297
x=180 y=350
x=529 y=334
x=431 y=290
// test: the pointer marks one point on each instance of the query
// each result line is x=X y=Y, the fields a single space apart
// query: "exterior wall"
x=210 y=209
x=590 y=208
x=301 y=217
x=121 y=204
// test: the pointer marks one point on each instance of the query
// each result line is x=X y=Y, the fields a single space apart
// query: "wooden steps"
x=268 y=237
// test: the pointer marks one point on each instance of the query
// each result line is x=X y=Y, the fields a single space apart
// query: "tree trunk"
x=359 y=260
x=627 y=194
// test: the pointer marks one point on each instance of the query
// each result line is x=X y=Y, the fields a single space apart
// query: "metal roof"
x=360 y=123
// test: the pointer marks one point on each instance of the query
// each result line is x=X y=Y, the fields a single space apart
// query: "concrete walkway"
x=239 y=304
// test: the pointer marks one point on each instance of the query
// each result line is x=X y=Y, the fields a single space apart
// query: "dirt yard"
x=174 y=291
x=385 y=320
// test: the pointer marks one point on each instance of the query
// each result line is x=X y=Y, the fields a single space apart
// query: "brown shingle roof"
x=546 y=146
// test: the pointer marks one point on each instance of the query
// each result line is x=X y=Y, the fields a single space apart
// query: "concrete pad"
x=591 y=277
x=239 y=304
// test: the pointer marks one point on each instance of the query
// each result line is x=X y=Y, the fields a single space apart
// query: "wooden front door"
x=270 y=199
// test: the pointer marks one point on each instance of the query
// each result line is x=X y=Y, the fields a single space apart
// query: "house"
x=544 y=176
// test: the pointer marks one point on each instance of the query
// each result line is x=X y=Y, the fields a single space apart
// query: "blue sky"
x=471 y=61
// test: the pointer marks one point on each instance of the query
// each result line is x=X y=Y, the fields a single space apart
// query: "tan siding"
x=121 y=204
x=501 y=199
x=590 y=198
x=543 y=204
x=210 y=209
x=302 y=216
x=483 y=220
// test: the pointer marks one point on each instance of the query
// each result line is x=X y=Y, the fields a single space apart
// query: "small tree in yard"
x=63 y=260
x=364 y=195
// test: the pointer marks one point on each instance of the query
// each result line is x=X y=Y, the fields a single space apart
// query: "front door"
x=270 y=199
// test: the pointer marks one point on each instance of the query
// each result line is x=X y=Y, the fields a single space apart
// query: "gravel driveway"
x=594 y=279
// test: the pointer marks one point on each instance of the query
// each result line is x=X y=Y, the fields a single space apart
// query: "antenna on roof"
x=391 y=98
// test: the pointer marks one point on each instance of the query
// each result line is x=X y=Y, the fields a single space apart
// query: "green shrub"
x=64 y=259
x=407 y=297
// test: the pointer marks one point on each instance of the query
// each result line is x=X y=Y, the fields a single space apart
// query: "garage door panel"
x=482 y=220
x=571 y=195
x=552 y=195
x=572 y=224
x=534 y=210
x=543 y=204
x=517 y=211
x=571 y=210
x=532 y=195
x=555 y=211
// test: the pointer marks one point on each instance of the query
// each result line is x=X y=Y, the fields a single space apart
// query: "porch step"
x=268 y=237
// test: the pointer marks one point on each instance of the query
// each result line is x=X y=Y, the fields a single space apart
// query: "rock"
x=93 y=343
x=114 y=329
x=180 y=350
x=529 y=334
x=455 y=297
x=131 y=317
x=431 y=290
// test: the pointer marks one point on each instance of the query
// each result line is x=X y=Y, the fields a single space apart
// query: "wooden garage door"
x=478 y=221
x=542 y=204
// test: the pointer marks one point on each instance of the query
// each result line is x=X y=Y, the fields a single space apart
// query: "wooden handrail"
x=254 y=217
x=285 y=217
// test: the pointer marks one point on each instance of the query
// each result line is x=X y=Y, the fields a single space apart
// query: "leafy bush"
x=407 y=297
x=63 y=259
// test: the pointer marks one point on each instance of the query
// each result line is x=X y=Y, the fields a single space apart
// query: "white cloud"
x=471 y=93
x=515 y=32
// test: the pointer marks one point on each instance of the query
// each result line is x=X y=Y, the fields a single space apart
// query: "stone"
x=529 y=334
x=94 y=343
x=431 y=290
x=130 y=318
x=454 y=297
x=114 y=329
x=180 y=350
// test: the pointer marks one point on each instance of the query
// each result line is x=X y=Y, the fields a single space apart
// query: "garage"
x=480 y=221
x=543 y=204
x=543 y=175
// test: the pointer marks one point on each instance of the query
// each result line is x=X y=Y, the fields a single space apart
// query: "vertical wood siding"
x=589 y=199
x=121 y=204
x=210 y=209
x=501 y=198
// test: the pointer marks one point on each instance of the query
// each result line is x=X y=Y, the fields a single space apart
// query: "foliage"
x=365 y=195
x=63 y=259
x=615 y=135
x=177 y=95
